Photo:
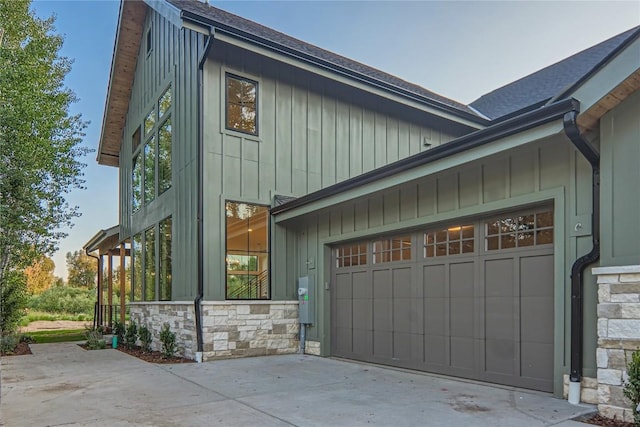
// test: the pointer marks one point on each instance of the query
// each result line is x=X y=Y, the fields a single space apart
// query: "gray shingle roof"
x=551 y=81
x=224 y=19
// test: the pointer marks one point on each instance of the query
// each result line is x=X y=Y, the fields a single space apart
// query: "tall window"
x=151 y=161
x=150 y=264
x=247 y=256
x=242 y=105
x=165 y=259
x=136 y=268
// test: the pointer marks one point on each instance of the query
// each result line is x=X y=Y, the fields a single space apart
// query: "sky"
x=459 y=49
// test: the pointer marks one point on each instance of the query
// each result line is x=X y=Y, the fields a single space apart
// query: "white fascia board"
x=343 y=79
x=496 y=147
x=608 y=77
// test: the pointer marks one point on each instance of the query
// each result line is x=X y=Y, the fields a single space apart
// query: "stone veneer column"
x=618 y=335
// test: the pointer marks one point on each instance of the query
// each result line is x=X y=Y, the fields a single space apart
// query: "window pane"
x=242 y=106
x=508 y=241
x=454 y=233
x=544 y=219
x=136 y=285
x=467 y=246
x=544 y=237
x=454 y=248
x=467 y=232
x=165 y=259
x=429 y=252
x=247 y=257
x=149 y=122
x=149 y=170
x=492 y=243
x=525 y=239
x=164 y=156
x=150 y=265
x=136 y=183
x=165 y=103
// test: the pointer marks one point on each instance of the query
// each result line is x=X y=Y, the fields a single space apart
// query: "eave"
x=123 y=68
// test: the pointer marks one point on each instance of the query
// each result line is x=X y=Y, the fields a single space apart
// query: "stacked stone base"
x=230 y=329
x=618 y=336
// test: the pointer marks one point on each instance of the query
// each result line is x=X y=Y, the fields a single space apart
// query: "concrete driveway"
x=62 y=384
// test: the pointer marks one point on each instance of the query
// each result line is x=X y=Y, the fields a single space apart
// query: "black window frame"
x=226 y=104
x=269 y=252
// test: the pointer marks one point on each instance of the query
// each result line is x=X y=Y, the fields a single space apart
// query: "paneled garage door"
x=473 y=299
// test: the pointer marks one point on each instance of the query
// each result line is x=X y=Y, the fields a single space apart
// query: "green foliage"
x=131 y=335
x=168 y=340
x=13 y=298
x=82 y=270
x=632 y=385
x=145 y=337
x=95 y=340
x=27 y=338
x=40 y=143
x=64 y=300
x=8 y=343
x=33 y=316
x=119 y=330
x=40 y=275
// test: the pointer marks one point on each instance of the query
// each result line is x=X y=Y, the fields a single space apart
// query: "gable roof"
x=552 y=82
x=221 y=19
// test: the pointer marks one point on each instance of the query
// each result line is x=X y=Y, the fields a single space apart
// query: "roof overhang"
x=123 y=68
x=503 y=136
x=610 y=84
x=103 y=241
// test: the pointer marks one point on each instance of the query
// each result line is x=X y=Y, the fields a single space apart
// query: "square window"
x=242 y=105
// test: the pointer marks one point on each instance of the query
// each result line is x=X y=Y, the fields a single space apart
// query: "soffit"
x=123 y=68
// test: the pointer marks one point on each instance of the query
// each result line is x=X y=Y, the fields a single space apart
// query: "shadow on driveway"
x=63 y=384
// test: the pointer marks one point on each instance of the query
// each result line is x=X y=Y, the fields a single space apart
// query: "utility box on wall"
x=306 y=299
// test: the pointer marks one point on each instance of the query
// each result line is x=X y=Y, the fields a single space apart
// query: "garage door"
x=473 y=299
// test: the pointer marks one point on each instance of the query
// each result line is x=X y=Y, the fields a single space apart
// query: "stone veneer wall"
x=588 y=389
x=618 y=335
x=230 y=328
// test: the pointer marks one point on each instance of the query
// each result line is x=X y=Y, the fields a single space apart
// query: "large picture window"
x=151 y=263
x=247 y=255
x=151 y=161
x=242 y=105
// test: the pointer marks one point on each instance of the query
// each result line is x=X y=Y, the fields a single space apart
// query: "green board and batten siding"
x=550 y=171
x=310 y=136
x=172 y=61
x=620 y=136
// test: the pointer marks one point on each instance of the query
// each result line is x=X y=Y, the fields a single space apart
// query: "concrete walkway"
x=62 y=384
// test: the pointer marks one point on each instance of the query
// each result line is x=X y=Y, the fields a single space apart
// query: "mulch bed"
x=20 y=350
x=606 y=422
x=153 y=356
x=148 y=356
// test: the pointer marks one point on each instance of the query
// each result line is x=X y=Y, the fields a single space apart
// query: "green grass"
x=33 y=316
x=60 y=335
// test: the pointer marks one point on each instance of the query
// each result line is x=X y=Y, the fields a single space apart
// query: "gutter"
x=200 y=142
x=327 y=65
x=475 y=139
x=577 y=270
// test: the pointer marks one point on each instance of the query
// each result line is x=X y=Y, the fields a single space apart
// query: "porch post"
x=110 y=289
x=100 y=266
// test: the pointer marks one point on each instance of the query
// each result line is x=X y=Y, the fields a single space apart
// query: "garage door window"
x=351 y=255
x=449 y=241
x=519 y=231
x=390 y=250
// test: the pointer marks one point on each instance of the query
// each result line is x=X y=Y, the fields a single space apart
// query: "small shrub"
x=119 y=331
x=8 y=343
x=168 y=340
x=27 y=338
x=632 y=385
x=145 y=337
x=131 y=335
x=95 y=340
